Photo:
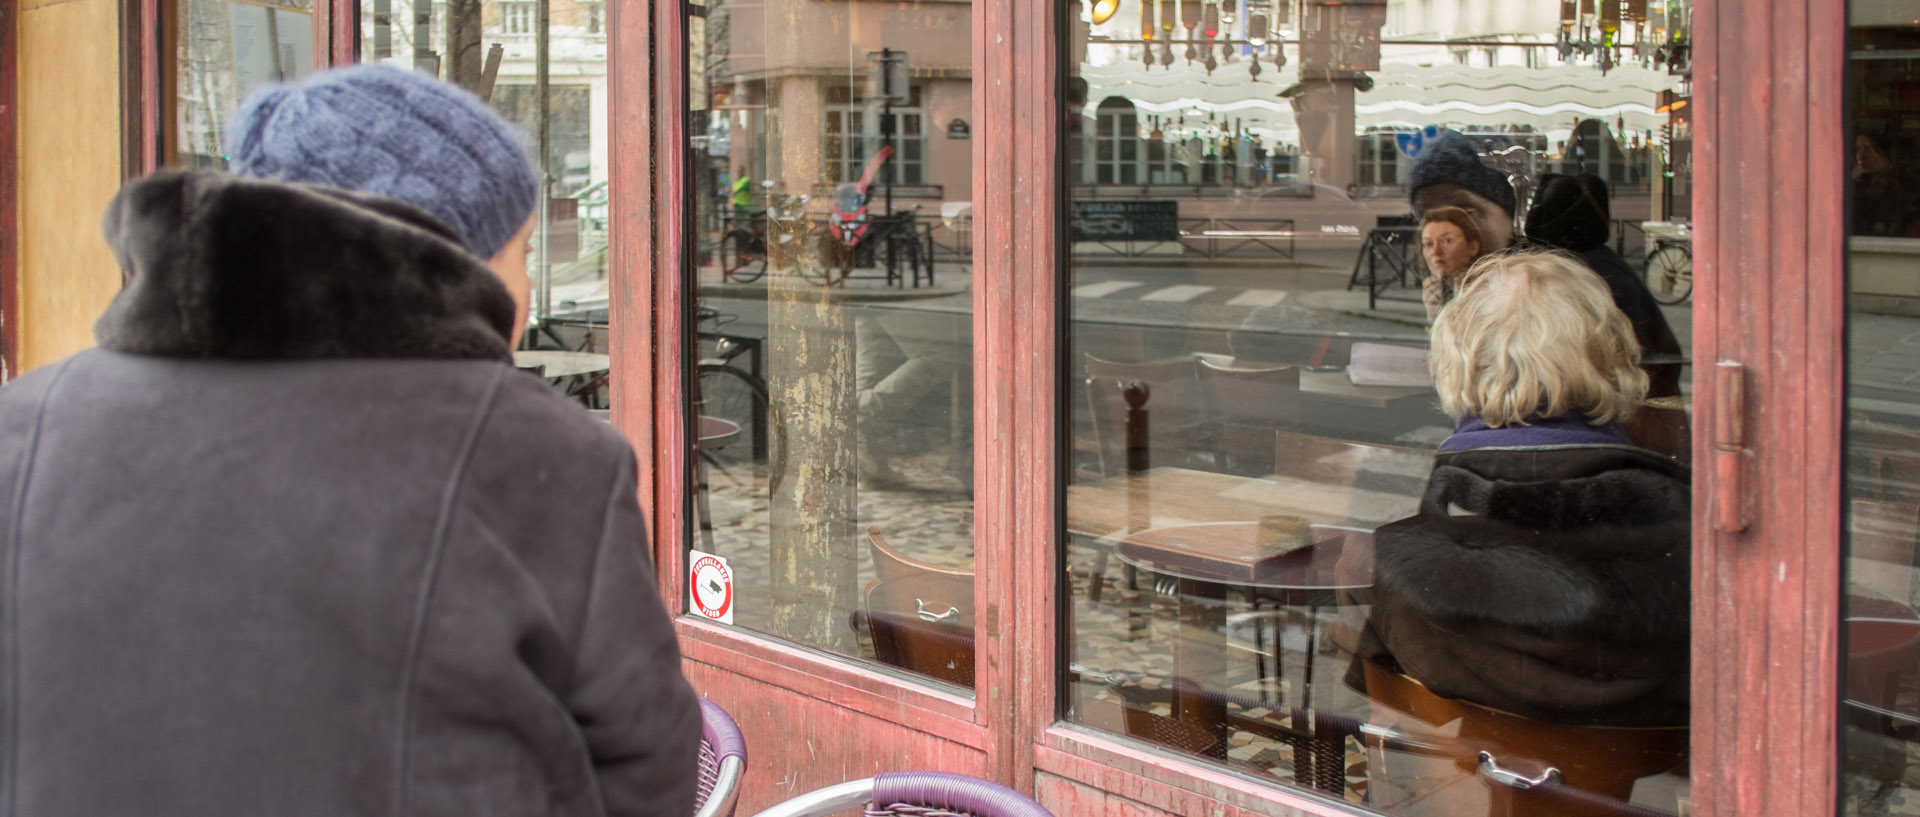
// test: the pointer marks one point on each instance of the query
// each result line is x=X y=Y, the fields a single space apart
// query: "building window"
x=1116 y=143
x=596 y=17
x=853 y=134
x=516 y=18
x=1381 y=162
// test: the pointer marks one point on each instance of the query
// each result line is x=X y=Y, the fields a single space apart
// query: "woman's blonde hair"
x=1535 y=334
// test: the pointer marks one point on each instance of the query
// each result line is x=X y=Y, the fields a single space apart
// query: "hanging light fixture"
x=1256 y=28
x=1103 y=10
x=1169 y=17
x=1190 y=18
x=1229 y=15
x=1146 y=32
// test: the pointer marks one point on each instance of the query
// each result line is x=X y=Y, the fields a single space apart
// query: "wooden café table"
x=1200 y=528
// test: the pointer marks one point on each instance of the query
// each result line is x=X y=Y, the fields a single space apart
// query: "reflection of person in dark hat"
x=1448 y=172
x=1879 y=207
x=1571 y=213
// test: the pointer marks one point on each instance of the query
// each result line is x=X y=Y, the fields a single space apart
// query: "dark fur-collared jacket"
x=298 y=539
x=1550 y=582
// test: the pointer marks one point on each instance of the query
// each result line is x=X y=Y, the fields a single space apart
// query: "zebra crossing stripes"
x=1258 y=298
x=1103 y=289
x=1181 y=294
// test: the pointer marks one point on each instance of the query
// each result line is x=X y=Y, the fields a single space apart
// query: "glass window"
x=831 y=366
x=222 y=50
x=1285 y=552
x=853 y=136
x=1880 y=718
x=516 y=18
x=489 y=47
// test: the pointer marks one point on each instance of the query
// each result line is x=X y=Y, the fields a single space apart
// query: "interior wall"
x=69 y=167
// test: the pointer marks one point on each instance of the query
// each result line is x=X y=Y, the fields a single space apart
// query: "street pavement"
x=1179 y=306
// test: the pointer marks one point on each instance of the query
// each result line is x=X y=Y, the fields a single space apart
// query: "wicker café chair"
x=723 y=759
x=919 y=794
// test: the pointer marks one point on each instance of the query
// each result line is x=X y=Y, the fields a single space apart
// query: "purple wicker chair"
x=914 y=794
x=723 y=759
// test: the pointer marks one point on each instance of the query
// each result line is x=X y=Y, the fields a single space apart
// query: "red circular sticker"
x=712 y=586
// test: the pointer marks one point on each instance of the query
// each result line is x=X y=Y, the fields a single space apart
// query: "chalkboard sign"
x=1126 y=221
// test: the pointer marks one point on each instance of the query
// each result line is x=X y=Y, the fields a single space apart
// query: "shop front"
x=1037 y=390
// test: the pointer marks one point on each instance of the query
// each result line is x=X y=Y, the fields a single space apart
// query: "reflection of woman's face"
x=1447 y=250
x=1869 y=157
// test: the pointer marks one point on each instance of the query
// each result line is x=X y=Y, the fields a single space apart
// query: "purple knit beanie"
x=384 y=130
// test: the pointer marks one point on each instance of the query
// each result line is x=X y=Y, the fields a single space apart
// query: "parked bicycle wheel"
x=743 y=257
x=1670 y=273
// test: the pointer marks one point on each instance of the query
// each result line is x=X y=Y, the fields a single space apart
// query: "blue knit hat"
x=398 y=133
x=1450 y=159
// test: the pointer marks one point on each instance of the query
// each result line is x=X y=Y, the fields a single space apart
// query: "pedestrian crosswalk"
x=1180 y=294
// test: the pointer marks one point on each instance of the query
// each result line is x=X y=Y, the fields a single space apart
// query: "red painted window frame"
x=1766 y=596
x=9 y=189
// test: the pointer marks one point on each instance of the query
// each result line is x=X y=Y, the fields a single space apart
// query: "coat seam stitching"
x=429 y=582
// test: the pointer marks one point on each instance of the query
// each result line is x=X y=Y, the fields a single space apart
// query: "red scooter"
x=850 y=219
x=857 y=229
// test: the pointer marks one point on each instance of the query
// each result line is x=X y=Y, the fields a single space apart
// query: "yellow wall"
x=69 y=129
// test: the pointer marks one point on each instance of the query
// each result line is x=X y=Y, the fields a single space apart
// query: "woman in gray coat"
x=298 y=539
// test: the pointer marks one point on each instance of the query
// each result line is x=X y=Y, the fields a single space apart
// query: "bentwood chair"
x=912 y=793
x=723 y=760
x=1531 y=767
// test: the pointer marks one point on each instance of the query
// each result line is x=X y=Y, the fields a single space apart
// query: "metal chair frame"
x=723 y=761
x=924 y=794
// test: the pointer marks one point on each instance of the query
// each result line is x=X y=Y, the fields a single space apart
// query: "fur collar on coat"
x=221 y=266
x=1587 y=541
x=1550 y=582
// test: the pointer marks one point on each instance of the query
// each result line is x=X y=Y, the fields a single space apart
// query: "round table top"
x=1883 y=641
x=1208 y=552
x=560 y=363
x=714 y=430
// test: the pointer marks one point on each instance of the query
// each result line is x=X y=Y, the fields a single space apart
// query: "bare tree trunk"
x=811 y=378
x=463 y=44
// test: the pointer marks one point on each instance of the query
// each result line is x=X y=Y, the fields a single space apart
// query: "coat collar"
x=220 y=266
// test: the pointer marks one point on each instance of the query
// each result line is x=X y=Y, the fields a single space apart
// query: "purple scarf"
x=1567 y=429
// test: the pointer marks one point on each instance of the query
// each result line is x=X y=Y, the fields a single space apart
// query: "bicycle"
x=1670 y=270
x=743 y=249
x=733 y=425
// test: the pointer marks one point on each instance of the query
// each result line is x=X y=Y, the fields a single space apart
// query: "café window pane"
x=830 y=377
x=490 y=48
x=1284 y=552
x=1880 y=716
x=220 y=51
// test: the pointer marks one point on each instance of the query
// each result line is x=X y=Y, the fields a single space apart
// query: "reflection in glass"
x=223 y=49
x=1268 y=212
x=829 y=173
x=1880 y=719
x=543 y=65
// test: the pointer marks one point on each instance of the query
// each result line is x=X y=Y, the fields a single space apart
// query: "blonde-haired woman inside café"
x=1546 y=572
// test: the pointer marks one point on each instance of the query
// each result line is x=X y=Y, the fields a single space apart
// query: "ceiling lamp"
x=1103 y=10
